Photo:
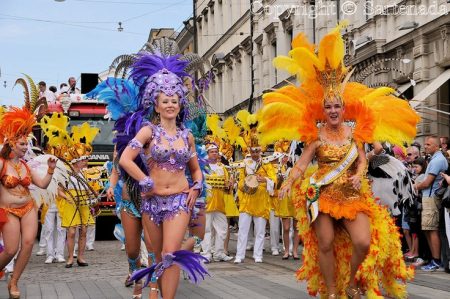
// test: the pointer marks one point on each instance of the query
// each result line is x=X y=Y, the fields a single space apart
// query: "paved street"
x=107 y=270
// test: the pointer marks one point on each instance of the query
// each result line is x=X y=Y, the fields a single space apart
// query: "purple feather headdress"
x=155 y=73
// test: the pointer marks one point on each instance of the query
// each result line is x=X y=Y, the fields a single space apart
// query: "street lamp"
x=4 y=84
x=120 y=28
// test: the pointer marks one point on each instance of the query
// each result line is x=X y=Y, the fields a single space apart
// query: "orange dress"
x=384 y=267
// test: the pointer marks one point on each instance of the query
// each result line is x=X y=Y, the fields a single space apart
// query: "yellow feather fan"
x=84 y=133
x=231 y=129
x=242 y=117
x=55 y=128
x=212 y=123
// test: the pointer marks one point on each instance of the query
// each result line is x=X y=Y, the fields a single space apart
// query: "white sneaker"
x=122 y=247
x=222 y=258
x=208 y=257
x=75 y=254
x=90 y=248
x=275 y=252
x=237 y=261
x=258 y=260
x=49 y=260
x=41 y=252
x=60 y=259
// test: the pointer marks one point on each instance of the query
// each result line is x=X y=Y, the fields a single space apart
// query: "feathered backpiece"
x=295 y=111
x=71 y=147
x=61 y=176
x=241 y=131
x=224 y=136
x=82 y=137
x=16 y=123
x=121 y=96
x=55 y=129
x=31 y=96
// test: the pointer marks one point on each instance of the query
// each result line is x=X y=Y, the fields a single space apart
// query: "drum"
x=250 y=184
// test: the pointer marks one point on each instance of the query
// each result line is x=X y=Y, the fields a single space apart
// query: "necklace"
x=18 y=168
x=335 y=134
x=170 y=139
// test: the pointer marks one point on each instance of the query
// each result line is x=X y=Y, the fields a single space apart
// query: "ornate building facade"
x=403 y=44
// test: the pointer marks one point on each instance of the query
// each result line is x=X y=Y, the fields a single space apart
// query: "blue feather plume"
x=121 y=95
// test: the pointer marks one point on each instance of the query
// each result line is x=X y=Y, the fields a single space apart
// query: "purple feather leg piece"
x=139 y=274
x=192 y=264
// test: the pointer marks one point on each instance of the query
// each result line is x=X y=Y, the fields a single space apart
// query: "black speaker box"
x=88 y=82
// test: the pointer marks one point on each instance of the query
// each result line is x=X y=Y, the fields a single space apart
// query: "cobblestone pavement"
x=104 y=277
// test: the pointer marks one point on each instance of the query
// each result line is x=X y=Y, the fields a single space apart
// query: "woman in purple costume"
x=167 y=148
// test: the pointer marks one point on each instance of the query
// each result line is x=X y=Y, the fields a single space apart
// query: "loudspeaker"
x=88 y=82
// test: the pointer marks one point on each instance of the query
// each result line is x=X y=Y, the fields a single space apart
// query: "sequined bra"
x=167 y=158
x=10 y=181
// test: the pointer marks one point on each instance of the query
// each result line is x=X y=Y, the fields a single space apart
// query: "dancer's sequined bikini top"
x=169 y=158
x=10 y=181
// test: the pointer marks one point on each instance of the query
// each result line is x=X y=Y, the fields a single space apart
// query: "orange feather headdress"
x=15 y=124
x=293 y=112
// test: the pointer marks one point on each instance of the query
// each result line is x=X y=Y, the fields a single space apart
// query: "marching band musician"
x=226 y=151
x=254 y=202
x=285 y=207
x=74 y=148
x=216 y=220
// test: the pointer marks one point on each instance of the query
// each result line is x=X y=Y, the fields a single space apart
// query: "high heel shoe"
x=138 y=286
x=82 y=264
x=154 y=290
x=285 y=257
x=353 y=293
x=14 y=293
x=128 y=282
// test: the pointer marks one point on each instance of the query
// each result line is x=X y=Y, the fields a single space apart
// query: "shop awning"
x=429 y=89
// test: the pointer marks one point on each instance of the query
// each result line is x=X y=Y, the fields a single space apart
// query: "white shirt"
x=49 y=95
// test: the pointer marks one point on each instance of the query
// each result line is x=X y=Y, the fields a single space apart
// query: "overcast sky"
x=51 y=40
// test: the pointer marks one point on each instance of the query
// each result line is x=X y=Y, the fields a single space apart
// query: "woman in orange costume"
x=17 y=207
x=335 y=211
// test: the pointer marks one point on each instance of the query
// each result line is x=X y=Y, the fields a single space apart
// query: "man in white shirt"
x=45 y=93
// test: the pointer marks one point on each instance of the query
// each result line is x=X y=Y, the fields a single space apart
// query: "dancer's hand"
x=110 y=193
x=192 y=197
x=285 y=189
x=356 y=181
x=51 y=163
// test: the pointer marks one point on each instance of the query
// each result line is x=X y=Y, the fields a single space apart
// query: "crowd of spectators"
x=426 y=219
x=52 y=94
